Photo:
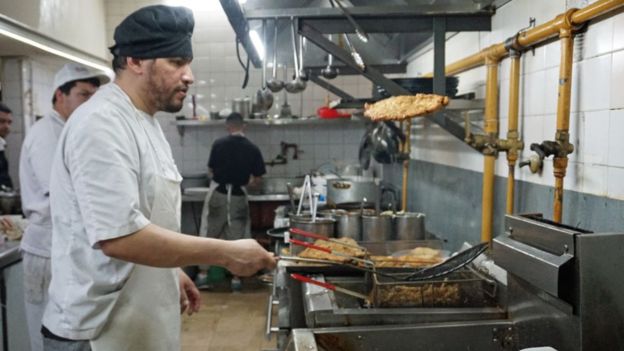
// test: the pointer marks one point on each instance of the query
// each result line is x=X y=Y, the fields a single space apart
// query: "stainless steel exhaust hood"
x=397 y=28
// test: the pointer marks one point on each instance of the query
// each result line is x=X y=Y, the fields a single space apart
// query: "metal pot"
x=242 y=106
x=343 y=190
x=322 y=226
x=349 y=224
x=376 y=228
x=10 y=202
x=410 y=226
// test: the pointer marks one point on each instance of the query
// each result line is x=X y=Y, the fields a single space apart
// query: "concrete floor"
x=229 y=321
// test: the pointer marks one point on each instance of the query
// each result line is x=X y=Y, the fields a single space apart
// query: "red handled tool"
x=329 y=286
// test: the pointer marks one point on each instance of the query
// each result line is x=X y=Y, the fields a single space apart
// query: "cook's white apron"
x=203 y=229
x=146 y=315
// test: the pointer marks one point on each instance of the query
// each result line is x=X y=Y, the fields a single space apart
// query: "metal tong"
x=306 y=188
x=330 y=286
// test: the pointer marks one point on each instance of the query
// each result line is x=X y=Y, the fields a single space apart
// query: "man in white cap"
x=115 y=200
x=73 y=85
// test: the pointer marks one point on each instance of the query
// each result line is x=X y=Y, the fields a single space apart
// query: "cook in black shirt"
x=234 y=163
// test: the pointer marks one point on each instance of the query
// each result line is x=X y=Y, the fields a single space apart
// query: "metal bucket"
x=376 y=228
x=410 y=226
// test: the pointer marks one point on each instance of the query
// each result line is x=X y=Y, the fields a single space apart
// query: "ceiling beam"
x=462 y=8
x=341 y=54
x=389 y=24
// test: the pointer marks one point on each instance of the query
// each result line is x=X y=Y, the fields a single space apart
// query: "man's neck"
x=63 y=116
x=134 y=93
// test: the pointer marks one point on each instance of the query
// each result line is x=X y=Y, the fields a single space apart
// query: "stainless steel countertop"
x=197 y=194
x=9 y=253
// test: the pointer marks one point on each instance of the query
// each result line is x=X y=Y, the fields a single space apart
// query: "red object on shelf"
x=326 y=112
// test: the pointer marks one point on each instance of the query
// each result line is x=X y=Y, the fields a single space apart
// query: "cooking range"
x=541 y=284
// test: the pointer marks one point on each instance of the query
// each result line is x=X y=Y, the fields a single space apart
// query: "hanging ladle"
x=267 y=95
x=274 y=84
x=297 y=85
x=329 y=72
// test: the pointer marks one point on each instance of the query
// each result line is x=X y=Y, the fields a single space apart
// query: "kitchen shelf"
x=182 y=124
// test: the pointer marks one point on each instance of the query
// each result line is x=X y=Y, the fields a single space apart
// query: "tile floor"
x=229 y=321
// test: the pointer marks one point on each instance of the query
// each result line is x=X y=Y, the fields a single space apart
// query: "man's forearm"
x=159 y=247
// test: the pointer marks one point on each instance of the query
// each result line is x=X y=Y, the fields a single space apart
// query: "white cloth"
x=36 y=283
x=103 y=186
x=135 y=323
x=2 y=144
x=34 y=171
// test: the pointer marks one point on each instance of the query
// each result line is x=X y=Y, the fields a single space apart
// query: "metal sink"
x=273 y=185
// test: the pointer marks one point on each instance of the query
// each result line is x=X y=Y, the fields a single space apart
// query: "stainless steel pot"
x=410 y=226
x=349 y=224
x=242 y=106
x=345 y=190
x=10 y=202
x=376 y=228
x=322 y=226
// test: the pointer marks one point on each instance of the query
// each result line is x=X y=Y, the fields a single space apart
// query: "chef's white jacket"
x=34 y=172
x=101 y=187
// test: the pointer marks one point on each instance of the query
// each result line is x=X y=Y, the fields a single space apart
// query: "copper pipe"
x=512 y=128
x=491 y=130
x=406 y=150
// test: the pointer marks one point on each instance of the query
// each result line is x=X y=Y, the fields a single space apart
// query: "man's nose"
x=187 y=76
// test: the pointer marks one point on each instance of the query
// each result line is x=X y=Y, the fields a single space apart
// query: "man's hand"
x=190 y=299
x=6 y=224
x=245 y=257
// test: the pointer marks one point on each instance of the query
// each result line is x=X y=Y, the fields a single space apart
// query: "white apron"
x=203 y=229
x=146 y=315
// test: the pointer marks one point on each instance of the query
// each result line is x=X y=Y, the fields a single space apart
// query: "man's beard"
x=163 y=100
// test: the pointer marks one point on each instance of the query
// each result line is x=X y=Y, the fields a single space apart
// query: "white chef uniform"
x=107 y=178
x=34 y=171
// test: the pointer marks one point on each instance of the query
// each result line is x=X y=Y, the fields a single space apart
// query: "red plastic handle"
x=308 y=234
x=312 y=246
x=305 y=279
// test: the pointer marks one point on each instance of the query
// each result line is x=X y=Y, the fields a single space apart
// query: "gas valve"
x=535 y=163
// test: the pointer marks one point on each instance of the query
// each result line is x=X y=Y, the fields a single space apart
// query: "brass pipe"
x=562 y=136
x=488 y=198
x=594 y=10
x=406 y=150
x=489 y=152
x=512 y=128
x=535 y=35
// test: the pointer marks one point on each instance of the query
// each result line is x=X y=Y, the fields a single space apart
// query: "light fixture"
x=242 y=2
x=257 y=43
x=195 y=5
x=56 y=52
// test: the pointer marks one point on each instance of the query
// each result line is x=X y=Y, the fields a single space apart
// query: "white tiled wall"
x=218 y=79
x=26 y=89
x=597 y=119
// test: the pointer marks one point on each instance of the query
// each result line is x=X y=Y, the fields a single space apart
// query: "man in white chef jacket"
x=115 y=201
x=73 y=85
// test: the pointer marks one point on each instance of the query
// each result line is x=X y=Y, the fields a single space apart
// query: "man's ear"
x=58 y=94
x=135 y=65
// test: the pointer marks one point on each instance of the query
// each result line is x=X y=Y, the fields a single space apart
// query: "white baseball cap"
x=74 y=71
